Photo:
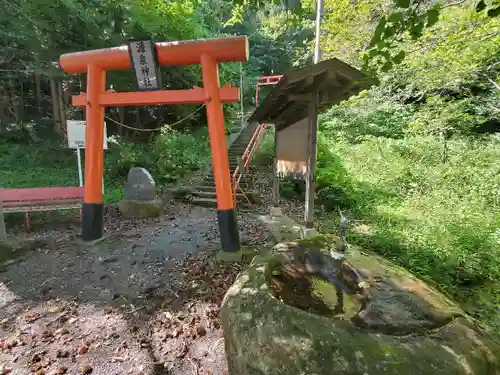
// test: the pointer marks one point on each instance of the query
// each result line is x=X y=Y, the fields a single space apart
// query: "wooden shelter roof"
x=287 y=103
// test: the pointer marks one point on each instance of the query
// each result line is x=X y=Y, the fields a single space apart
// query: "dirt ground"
x=145 y=300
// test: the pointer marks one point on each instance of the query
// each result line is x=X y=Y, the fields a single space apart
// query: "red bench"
x=40 y=199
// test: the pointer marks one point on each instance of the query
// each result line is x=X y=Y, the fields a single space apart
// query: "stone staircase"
x=203 y=194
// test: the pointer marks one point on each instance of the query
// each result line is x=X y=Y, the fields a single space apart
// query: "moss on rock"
x=404 y=327
x=133 y=208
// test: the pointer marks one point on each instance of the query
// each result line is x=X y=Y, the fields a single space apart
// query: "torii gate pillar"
x=208 y=53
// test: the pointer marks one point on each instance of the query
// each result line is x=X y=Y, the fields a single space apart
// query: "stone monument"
x=139 y=195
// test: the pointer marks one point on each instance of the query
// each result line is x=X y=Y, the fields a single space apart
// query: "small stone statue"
x=334 y=268
x=340 y=245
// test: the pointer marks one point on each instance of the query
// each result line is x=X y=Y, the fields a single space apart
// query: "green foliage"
x=438 y=220
x=180 y=153
x=409 y=20
x=368 y=114
x=264 y=156
x=42 y=164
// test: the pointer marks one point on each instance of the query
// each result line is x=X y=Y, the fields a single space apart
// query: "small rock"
x=108 y=309
x=83 y=349
x=61 y=370
x=62 y=331
x=40 y=372
x=62 y=353
x=53 y=309
x=86 y=369
x=36 y=367
x=200 y=330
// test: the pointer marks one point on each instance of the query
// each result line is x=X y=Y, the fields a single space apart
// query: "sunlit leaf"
x=378 y=31
x=403 y=3
x=432 y=16
x=480 y=6
x=386 y=67
x=494 y=12
x=416 y=30
x=389 y=31
x=399 y=57
x=395 y=17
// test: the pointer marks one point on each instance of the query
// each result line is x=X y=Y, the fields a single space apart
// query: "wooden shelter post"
x=276 y=178
x=312 y=150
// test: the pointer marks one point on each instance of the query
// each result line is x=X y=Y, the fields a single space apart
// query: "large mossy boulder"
x=396 y=325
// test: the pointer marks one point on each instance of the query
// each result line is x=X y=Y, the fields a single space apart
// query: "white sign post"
x=76 y=140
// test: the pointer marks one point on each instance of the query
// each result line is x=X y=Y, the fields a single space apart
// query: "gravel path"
x=144 y=300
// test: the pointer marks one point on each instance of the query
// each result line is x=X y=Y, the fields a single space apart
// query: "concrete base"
x=284 y=228
x=244 y=254
x=308 y=232
x=130 y=208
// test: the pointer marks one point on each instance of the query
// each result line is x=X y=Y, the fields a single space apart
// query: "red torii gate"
x=265 y=81
x=208 y=53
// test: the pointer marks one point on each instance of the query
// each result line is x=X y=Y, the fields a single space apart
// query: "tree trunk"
x=3 y=115
x=121 y=119
x=444 y=137
x=62 y=105
x=38 y=93
x=137 y=118
x=14 y=101
x=56 y=114
x=21 y=100
x=3 y=233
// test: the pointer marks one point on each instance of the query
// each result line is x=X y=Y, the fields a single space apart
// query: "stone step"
x=243 y=185
x=208 y=187
x=205 y=194
x=209 y=180
x=231 y=171
x=205 y=202
x=211 y=194
x=238 y=144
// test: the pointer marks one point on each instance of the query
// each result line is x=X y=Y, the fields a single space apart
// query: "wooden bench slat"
x=68 y=206
x=40 y=202
x=7 y=195
x=40 y=199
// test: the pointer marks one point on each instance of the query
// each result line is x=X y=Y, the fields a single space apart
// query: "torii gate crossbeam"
x=208 y=53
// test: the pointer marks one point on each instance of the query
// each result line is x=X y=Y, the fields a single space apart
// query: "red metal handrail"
x=253 y=145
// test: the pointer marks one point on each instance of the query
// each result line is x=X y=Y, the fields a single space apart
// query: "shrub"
x=180 y=153
x=440 y=220
x=264 y=156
